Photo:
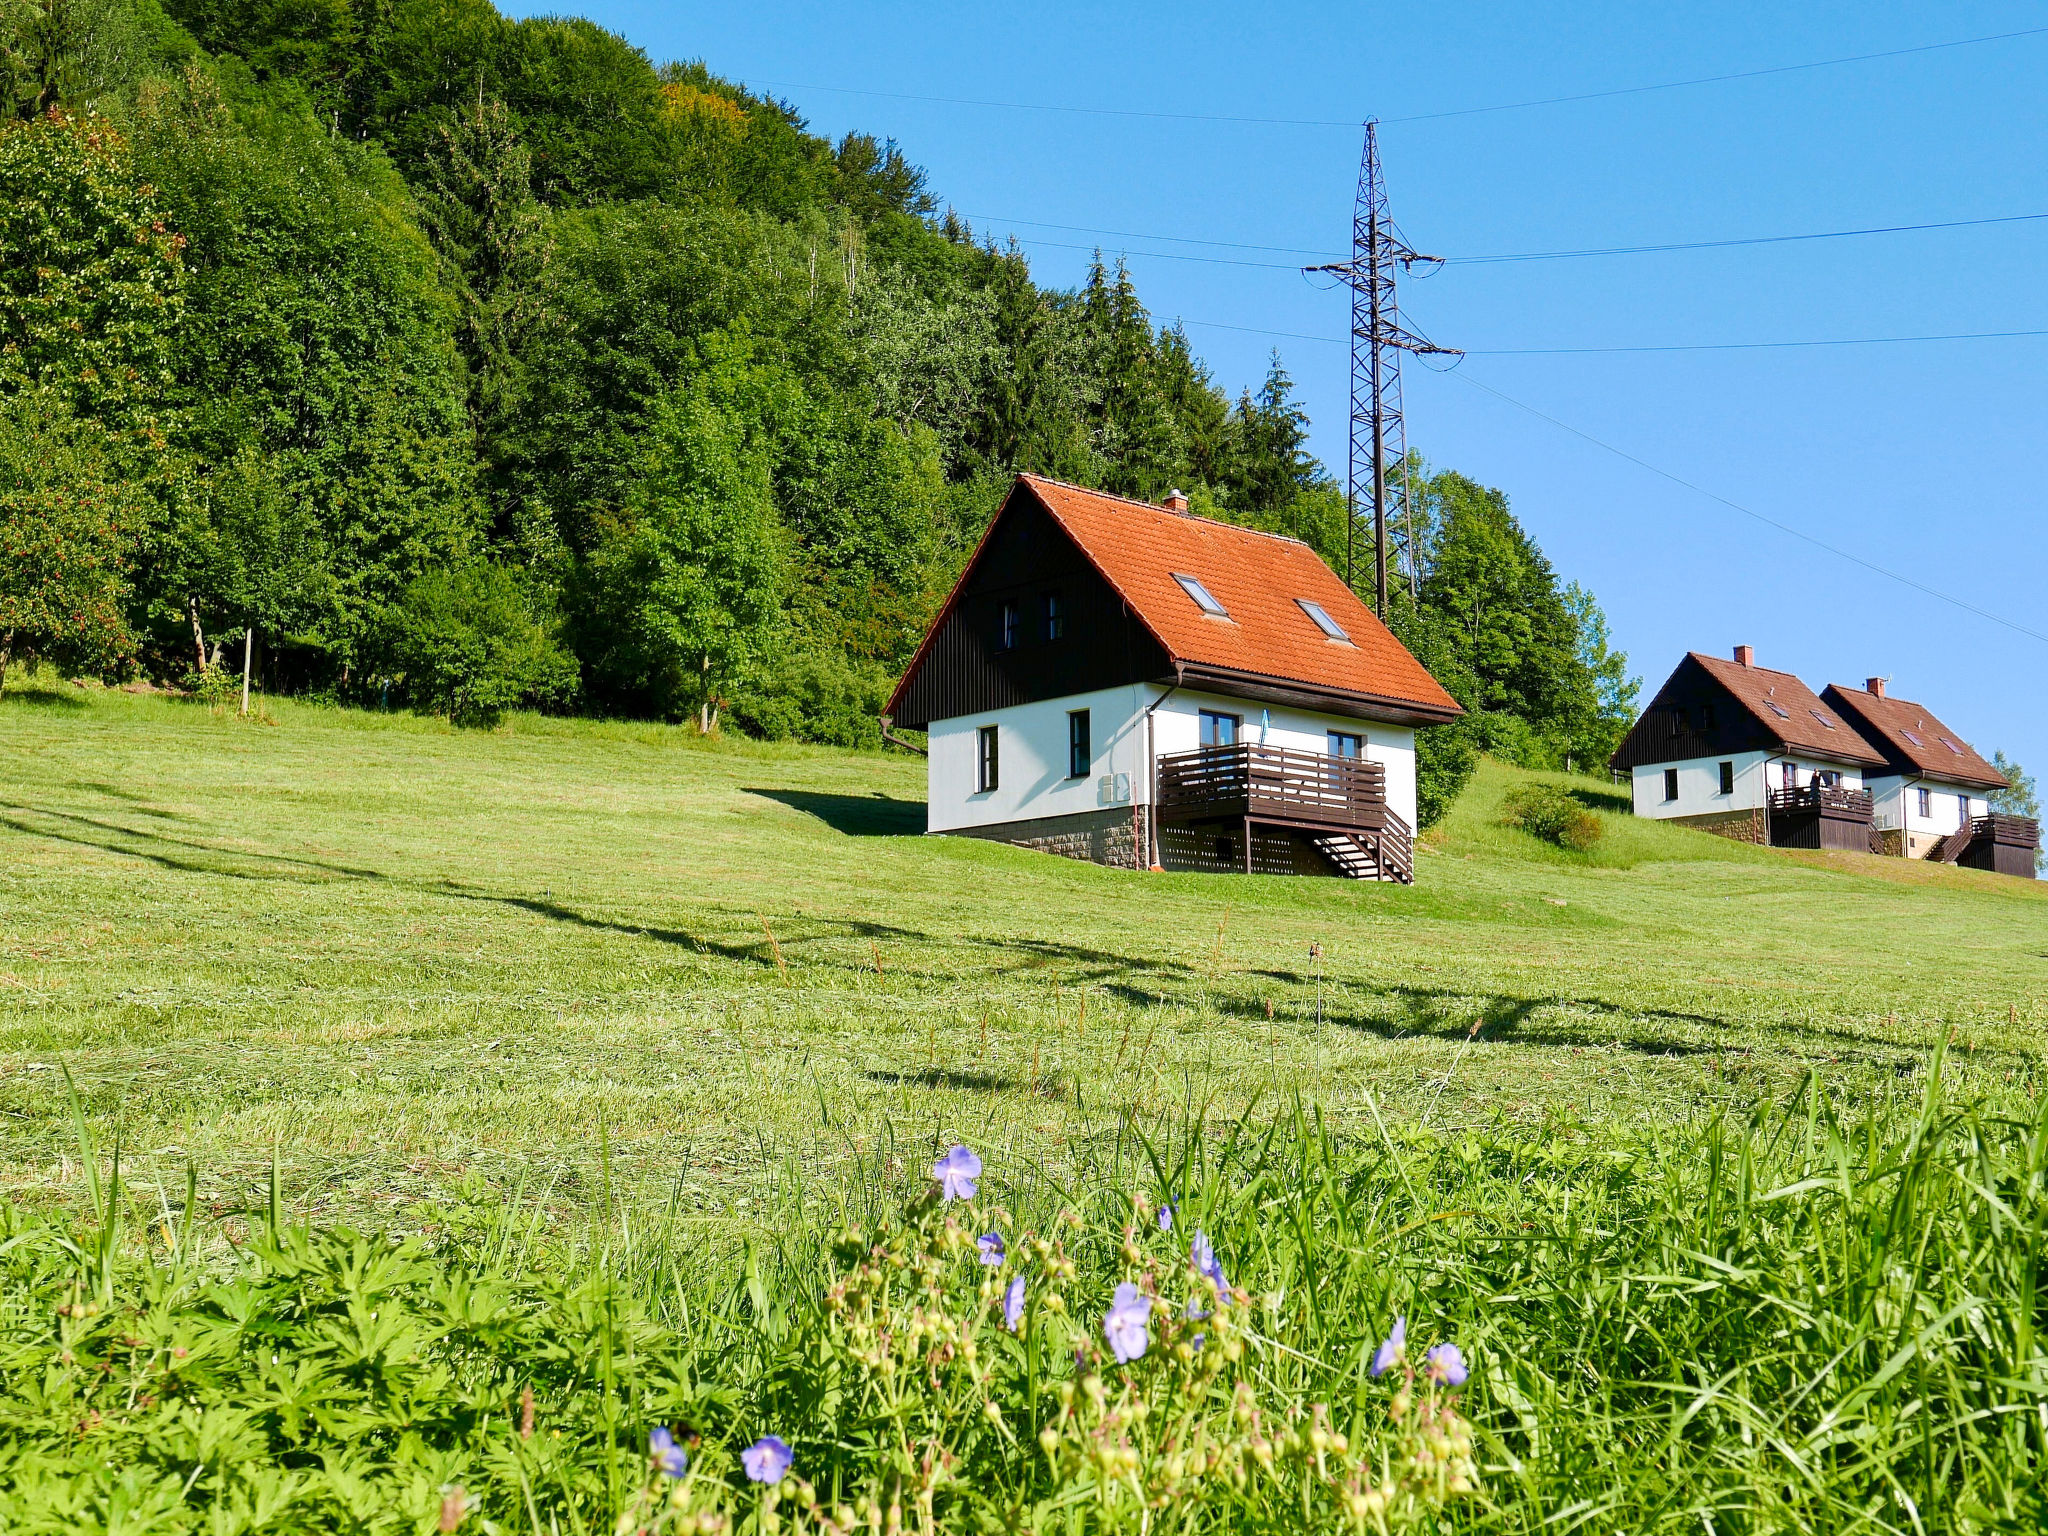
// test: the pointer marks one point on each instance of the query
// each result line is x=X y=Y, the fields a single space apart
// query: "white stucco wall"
x=1032 y=760
x=1032 y=752
x=1699 y=782
x=1898 y=805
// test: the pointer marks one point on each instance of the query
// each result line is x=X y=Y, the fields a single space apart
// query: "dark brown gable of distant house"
x=965 y=666
x=1692 y=716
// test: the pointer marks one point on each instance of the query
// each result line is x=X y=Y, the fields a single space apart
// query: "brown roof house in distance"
x=1929 y=797
x=1131 y=684
x=1753 y=754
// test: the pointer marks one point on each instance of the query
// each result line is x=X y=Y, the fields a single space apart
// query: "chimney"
x=1177 y=501
x=1745 y=655
x=1875 y=685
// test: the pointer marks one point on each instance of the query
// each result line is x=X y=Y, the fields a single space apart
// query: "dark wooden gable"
x=1693 y=715
x=964 y=669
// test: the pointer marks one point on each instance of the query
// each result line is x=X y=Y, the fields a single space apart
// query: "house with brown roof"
x=1930 y=798
x=1751 y=753
x=1125 y=682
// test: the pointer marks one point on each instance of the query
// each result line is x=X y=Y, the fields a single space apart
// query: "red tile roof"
x=1939 y=753
x=1806 y=725
x=1257 y=577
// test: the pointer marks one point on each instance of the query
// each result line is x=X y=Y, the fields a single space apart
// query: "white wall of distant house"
x=1699 y=782
x=1898 y=805
x=1032 y=779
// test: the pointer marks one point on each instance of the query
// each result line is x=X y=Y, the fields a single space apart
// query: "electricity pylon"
x=1377 y=341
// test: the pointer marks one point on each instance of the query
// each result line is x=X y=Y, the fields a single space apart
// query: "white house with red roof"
x=1129 y=683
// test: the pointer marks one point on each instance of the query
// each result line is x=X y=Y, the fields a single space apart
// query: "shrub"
x=1551 y=813
x=466 y=644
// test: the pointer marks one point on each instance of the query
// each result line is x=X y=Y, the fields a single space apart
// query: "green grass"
x=615 y=1027
x=405 y=961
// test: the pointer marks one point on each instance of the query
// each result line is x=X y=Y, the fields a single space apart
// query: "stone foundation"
x=1111 y=836
x=1751 y=826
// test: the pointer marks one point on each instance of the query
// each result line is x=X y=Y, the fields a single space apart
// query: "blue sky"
x=1922 y=458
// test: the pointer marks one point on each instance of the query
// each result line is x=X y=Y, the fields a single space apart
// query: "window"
x=1707 y=715
x=1678 y=722
x=1964 y=810
x=1776 y=708
x=1006 y=634
x=1055 y=617
x=1912 y=738
x=1200 y=595
x=1826 y=723
x=1926 y=797
x=1790 y=775
x=1346 y=744
x=986 y=775
x=1950 y=745
x=1219 y=730
x=1827 y=778
x=1727 y=778
x=1079 y=758
x=1322 y=620
x=1670 y=784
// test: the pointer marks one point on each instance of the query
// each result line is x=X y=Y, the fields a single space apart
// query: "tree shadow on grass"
x=876 y=815
x=35 y=696
x=944 y=1077
x=187 y=855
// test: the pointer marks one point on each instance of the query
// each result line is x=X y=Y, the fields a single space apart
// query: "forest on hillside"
x=476 y=364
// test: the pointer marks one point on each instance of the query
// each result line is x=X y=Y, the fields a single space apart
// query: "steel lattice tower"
x=1377 y=341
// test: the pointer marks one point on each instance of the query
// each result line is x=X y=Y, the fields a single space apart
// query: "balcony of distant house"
x=1821 y=816
x=1269 y=810
x=2003 y=844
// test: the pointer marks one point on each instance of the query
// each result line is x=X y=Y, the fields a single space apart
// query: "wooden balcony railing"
x=1271 y=784
x=2011 y=831
x=1831 y=801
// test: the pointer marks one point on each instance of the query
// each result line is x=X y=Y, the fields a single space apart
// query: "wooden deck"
x=1821 y=816
x=2003 y=844
x=1336 y=806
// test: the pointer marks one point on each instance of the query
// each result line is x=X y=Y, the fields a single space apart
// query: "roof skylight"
x=1322 y=620
x=1950 y=745
x=1912 y=738
x=1201 y=596
x=1776 y=708
x=1823 y=719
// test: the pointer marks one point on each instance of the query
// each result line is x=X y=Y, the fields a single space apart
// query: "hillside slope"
x=409 y=959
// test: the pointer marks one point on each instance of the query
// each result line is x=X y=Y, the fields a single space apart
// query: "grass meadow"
x=1723 y=1164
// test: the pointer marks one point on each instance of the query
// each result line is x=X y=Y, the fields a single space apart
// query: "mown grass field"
x=419 y=967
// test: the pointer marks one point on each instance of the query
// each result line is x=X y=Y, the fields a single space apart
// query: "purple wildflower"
x=993 y=1249
x=1166 y=1217
x=1124 y=1324
x=956 y=1173
x=1013 y=1304
x=1203 y=1256
x=767 y=1460
x=1390 y=1352
x=1447 y=1365
x=669 y=1459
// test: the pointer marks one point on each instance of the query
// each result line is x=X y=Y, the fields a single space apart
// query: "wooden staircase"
x=1950 y=849
x=1385 y=854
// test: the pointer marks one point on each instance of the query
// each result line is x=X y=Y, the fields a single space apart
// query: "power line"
x=1134 y=234
x=1714 y=245
x=1743 y=74
x=1420 y=117
x=1771 y=522
x=1705 y=346
x=1491 y=259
